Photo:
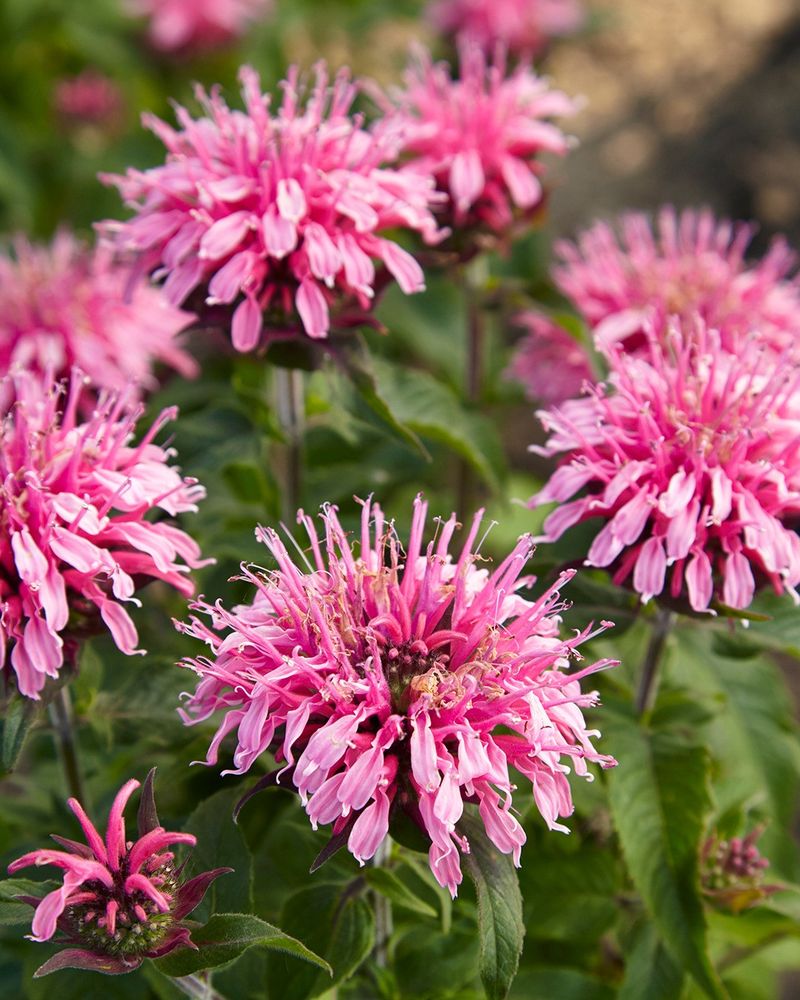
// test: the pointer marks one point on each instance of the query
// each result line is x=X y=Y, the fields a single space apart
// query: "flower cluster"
x=121 y=901
x=732 y=872
x=688 y=264
x=63 y=305
x=407 y=680
x=480 y=135
x=280 y=213
x=548 y=361
x=523 y=26
x=691 y=457
x=197 y=25
x=90 y=98
x=74 y=538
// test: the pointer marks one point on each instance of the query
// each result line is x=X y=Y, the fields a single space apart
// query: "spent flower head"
x=66 y=304
x=732 y=872
x=480 y=136
x=75 y=538
x=276 y=212
x=524 y=27
x=690 y=455
x=121 y=900
x=195 y=26
x=389 y=681
x=689 y=263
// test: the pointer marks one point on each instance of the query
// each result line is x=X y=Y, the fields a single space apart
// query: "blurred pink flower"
x=689 y=263
x=90 y=98
x=548 y=361
x=732 y=872
x=691 y=456
x=197 y=25
x=280 y=212
x=480 y=135
x=63 y=305
x=522 y=26
x=387 y=679
x=75 y=542
x=121 y=901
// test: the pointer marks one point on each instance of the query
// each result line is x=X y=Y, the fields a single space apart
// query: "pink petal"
x=246 y=325
x=467 y=179
x=121 y=627
x=738 y=583
x=403 y=267
x=651 y=568
x=312 y=308
x=291 y=200
x=370 y=829
x=115 y=831
x=279 y=234
x=224 y=235
x=323 y=257
x=699 y=581
x=524 y=185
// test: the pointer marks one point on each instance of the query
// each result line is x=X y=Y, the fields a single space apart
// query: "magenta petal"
x=246 y=325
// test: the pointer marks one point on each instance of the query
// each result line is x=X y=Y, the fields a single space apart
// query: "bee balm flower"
x=278 y=213
x=548 y=361
x=480 y=135
x=197 y=25
x=523 y=26
x=688 y=264
x=384 y=679
x=121 y=901
x=691 y=457
x=76 y=542
x=66 y=305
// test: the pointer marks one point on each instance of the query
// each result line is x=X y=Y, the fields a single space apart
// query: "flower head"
x=732 y=872
x=548 y=361
x=688 y=264
x=121 y=900
x=75 y=541
x=524 y=27
x=480 y=135
x=691 y=457
x=197 y=25
x=384 y=679
x=65 y=305
x=280 y=213
x=90 y=98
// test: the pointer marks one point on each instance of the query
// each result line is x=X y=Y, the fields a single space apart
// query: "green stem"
x=62 y=718
x=383 y=910
x=290 y=408
x=648 y=681
x=473 y=278
x=198 y=988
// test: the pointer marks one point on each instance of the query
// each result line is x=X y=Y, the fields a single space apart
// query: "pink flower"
x=275 y=212
x=386 y=680
x=480 y=135
x=522 y=26
x=90 y=98
x=197 y=25
x=688 y=264
x=548 y=361
x=66 y=305
x=691 y=457
x=732 y=872
x=75 y=540
x=121 y=900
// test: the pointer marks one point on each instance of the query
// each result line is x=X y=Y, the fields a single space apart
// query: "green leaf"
x=650 y=970
x=389 y=885
x=225 y=938
x=659 y=797
x=431 y=409
x=500 y=925
x=221 y=842
x=20 y=715
x=337 y=923
x=560 y=984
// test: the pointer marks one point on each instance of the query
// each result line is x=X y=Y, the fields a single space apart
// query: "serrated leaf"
x=221 y=842
x=338 y=924
x=225 y=938
x=389 y=885
x=659 y=797
x=650 y=970
x=19 y=717
x=500 y=925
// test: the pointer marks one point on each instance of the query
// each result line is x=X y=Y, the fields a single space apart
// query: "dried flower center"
x=411 y=669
